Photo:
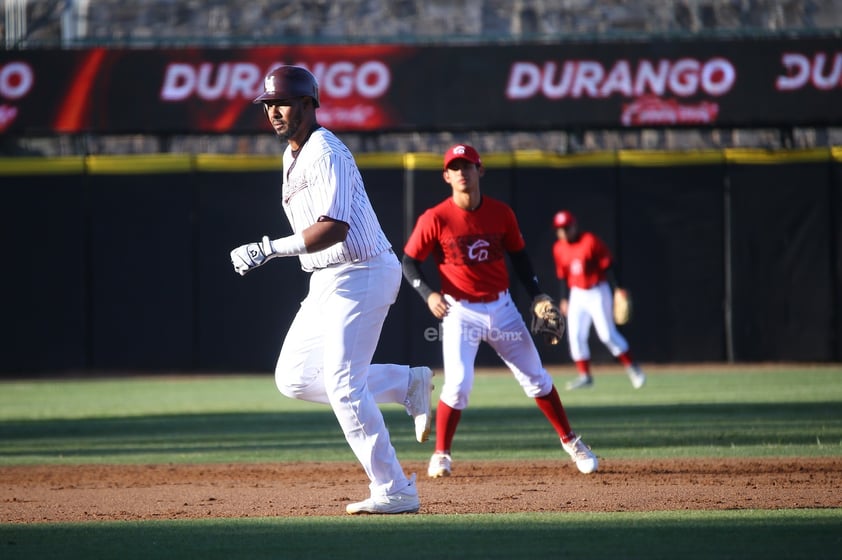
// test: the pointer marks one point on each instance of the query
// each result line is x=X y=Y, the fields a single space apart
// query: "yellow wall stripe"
x=10 y=166
x=379 y=160
x=209 y=163
x=537 y=158
x=771 y=157
x=423 y=160
x=655 y=158
x=238 y=163
x=141 y=164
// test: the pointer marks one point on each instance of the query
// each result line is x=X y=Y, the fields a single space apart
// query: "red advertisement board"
x=680 y=83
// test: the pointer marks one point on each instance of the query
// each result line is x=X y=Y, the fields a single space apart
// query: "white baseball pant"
x=501 y=325
x=594 y=305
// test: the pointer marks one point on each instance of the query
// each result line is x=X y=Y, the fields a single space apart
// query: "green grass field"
x=784 y=411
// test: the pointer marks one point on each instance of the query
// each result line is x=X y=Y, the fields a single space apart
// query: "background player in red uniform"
x=583 y=264
x=470 y=235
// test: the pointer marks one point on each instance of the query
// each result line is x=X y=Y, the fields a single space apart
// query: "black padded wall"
x=129 y=270
x=141 y=265
x=46 y=279
x=671 y=258
x=782 y=293
x=241 y=320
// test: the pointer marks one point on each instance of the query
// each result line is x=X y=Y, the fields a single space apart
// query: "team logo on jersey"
x=473 y=249
x=293 y=187
x=577 y=267
x=478 y=250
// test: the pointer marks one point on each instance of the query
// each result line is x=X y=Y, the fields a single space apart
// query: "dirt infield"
x=78 y=493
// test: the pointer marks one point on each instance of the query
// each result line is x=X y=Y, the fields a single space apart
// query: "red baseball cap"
x=461 y=151
x=563 y=219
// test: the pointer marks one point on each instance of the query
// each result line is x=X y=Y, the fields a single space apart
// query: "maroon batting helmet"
x=289 y=82
x=563 y=219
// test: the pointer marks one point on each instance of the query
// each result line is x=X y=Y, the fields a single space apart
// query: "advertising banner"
x=566 y=85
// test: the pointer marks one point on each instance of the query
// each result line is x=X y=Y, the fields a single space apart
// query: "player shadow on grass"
x=495 y=431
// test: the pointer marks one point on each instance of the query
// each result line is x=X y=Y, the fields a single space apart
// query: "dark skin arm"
x=324 y=233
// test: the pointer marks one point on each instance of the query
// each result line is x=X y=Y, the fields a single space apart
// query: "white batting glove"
x=248 y=257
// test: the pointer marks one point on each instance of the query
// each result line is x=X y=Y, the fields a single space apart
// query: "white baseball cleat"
x=419 y=401
x=405 y=501
x=580 y=383
x=636 y=376
x=439 y=465
x=581 y=454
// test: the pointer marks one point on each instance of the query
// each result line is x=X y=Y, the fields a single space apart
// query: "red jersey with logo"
x=584 y=262
x=469 y=246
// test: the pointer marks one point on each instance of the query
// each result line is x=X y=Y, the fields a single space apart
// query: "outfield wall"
x=121 y=263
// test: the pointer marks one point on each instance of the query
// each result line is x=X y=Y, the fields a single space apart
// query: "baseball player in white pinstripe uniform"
x=326 y=356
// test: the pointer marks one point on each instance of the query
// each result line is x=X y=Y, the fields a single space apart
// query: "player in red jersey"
x=583 y=264
x=470 y=235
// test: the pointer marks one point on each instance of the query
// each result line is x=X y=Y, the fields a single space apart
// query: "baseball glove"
x=622 y=306
x=547 y=319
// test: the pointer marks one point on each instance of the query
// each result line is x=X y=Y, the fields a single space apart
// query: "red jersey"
x=584 y=262
x=469 y=247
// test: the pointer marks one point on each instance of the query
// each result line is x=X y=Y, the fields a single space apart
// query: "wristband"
x=289 y=246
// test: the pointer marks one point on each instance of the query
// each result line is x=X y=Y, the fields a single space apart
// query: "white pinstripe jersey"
x=324 y=181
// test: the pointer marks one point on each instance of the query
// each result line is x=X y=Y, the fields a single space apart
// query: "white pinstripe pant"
x=326 y=358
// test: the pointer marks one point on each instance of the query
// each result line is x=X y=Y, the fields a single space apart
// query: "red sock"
x=583 y=367
x=625 y=359
x=550 y=405
x=447 y=418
